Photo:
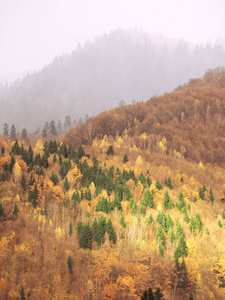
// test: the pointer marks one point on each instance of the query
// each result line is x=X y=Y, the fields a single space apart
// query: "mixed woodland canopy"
x=129 y=205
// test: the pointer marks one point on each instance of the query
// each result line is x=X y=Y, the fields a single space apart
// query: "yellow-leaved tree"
x=139 y=161
x=16 y=172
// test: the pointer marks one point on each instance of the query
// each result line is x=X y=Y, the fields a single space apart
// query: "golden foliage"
x=39 y=146
x=16 y=172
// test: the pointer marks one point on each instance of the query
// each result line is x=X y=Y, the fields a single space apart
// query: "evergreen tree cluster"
x=87 y=234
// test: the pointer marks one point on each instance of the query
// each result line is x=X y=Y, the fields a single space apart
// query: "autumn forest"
x=128 y=205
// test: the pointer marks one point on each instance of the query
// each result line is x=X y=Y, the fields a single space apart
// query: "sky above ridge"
x=34 y=32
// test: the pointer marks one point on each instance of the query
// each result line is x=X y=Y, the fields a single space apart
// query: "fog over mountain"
x=124 y=64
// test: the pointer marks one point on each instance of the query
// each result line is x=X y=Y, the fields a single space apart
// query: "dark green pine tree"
x=149 y=182
x=201 y=195
x=110 y=150
x=109 y=180
x=70 y=229
x=198 y=223
x=169 y=183
x=117 y=202
x=95 y=230
x=33 y=195
x=172 y=237
x=122 y=221
x=54 y=178
x=81 y=152
x=86 y=237
x=54 y=159
x=158 y=185
x=148 y=295
x=181 y=249
x=66 y=184
x=101 y=230
x=11 y=164
x=223 y=215
x=211 y=195
x=110 y=231
x=23 y=183
x=44 y=161
x=148 y=199
x=158 y=294
x=167 y=204
x=88 y=196
x=2 y=150
x=1 y=210
x=70 y=264
x=22 y=293
x=179 y=230
x=16 y=148
x=30 y=154
x=160 y=237
x=150 y=220
x=125 y=159
x=15 y=210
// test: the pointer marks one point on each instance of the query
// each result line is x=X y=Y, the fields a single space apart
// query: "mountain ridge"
x=98 y=75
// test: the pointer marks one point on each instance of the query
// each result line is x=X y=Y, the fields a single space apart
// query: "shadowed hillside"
x=189 y=122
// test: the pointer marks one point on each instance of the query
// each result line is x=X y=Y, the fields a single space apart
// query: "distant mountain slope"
x=128 y=65
x=192 y=120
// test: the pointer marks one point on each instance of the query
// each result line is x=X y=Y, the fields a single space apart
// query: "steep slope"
x=191 y=120
x=129 y=65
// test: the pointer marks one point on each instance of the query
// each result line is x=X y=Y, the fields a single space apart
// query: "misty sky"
x=33 y=32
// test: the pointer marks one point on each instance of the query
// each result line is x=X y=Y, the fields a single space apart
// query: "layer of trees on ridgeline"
x=189 y=122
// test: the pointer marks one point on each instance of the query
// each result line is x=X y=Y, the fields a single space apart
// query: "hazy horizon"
x=33 y=33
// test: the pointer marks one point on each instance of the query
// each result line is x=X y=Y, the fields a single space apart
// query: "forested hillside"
x=187 y=123
x=124 y=207
x=127 y=65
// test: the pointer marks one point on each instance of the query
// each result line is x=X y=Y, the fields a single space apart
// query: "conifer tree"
x=110 y=150
x=161 y=238
x=110 y=231
x=22 y=293
x=201 y=195
x=223 y=215
x=198 y=223
x=6 y=129
x=15 y=210
x=122 y=221
x=88 y=196
x=54 y=178
x=23 y=134
x=172 y=237
x=125 y=159
x=70 y=229
x=220 y=224
x=117 y=203
x=13 y=132
x=70 y=264
x=2 y=150
x=23 y=183
x=158 y=185
x=1 y=210
x=66 y=184
x=211 y=195
x=158 y=294
x=150 y=220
